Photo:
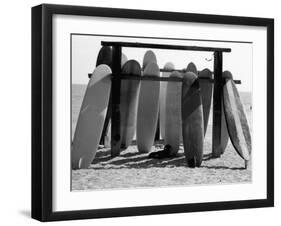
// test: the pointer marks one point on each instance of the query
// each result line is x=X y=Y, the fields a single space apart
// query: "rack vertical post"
x=217 y=105
x=115 y=96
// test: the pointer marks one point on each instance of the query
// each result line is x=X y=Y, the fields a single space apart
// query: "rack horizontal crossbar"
x=161 y=79
x=164 y=70
x=147 y=78
x=163 y=46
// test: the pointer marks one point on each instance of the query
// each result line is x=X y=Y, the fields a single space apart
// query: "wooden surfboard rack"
x=117 y=76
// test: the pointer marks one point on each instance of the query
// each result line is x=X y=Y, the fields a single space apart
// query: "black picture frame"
x=42 y=107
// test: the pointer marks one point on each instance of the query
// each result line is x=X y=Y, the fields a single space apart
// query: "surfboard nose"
x=191 y=67
x=105 y=56
x=227 y=75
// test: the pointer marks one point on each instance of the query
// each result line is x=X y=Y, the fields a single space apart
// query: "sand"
x=135 y=170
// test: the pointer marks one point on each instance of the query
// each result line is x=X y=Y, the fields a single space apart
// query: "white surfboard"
x=163 y=88
x=124 y=59
x=148 y=109
x=128 y=102
x=173 y=116
x=105 y=57
x=91 y=118
x=149 y=57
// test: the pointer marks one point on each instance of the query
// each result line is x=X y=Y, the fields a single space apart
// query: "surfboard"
x=149 y=57
x=162 y=101
x=191 y=67
x=224 y=132
x=192 y=120
x=128 y=102
x=207 y=104
x=91 y=118
x=173 y=114
x=236 y=120
x=124 y=59
x=148 y=109
x=105 y=57
x=206 y=89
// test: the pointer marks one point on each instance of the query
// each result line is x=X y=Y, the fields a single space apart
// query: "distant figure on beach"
x=165 y=153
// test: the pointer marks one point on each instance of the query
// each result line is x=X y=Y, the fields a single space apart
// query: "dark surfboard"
x=206 y=94
x=191 y=67
x=192 y=120
x=236 y=120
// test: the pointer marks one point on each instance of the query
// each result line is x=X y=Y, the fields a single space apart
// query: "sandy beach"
x=135 y=170
x=132 y=169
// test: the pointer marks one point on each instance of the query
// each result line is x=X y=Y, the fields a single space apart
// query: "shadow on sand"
x=136 y=160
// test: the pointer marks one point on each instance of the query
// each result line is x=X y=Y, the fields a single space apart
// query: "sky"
x=85 y=50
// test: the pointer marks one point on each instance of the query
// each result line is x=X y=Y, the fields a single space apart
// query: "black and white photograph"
x=157 y=112
x=148 y=112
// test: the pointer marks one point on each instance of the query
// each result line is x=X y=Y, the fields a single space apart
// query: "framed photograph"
x=146 y=112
